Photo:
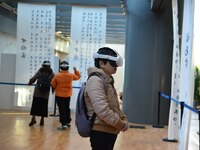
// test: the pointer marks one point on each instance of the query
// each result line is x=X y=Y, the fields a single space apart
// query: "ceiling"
x=116 y=15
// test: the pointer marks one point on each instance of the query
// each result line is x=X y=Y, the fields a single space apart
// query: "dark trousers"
x=64 y=110
x=102 y=140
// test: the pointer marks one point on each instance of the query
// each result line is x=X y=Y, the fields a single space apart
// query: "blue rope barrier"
x=168 y=97
x=191 y=108
x=10 y=83
x=76 y=87
x=176 y=101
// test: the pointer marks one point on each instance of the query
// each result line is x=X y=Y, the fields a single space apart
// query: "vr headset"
x=46 y=63
x=118 y=59
x=64 y=65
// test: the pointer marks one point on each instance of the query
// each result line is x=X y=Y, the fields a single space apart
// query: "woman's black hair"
x=104 y=51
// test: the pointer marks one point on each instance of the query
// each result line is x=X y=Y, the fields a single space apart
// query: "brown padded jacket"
x=62 y=83
x=109 y=117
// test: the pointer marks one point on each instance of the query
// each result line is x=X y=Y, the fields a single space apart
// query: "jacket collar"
x=108 y=78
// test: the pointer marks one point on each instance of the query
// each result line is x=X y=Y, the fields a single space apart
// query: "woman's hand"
x=125 y=127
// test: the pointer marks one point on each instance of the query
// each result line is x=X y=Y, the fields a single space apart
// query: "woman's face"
x=110 y=67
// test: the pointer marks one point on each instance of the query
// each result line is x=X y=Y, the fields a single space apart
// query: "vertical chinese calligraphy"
x=186 y=75
x=88 y=28
x=35 y=40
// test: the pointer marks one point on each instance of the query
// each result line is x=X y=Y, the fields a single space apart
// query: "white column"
x=187 y=73
x=174 y=120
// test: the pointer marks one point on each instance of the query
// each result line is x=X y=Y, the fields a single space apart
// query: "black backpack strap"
x=93 y=119
x=106 y=91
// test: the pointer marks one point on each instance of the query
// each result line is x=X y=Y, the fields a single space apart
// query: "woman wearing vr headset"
x=110 y=120
x=62 y=84
x=39 y=105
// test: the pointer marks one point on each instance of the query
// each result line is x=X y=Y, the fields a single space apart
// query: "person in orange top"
x=62 y=85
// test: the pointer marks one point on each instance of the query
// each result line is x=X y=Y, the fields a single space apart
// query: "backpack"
x=82 y=121
x=44 y=84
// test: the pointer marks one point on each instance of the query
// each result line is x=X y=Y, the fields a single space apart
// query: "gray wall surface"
x=7 y=74
x=148 y=59
x=8 y=25
x=8 y=22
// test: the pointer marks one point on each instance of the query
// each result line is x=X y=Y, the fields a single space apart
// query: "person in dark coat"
x=40 y=98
